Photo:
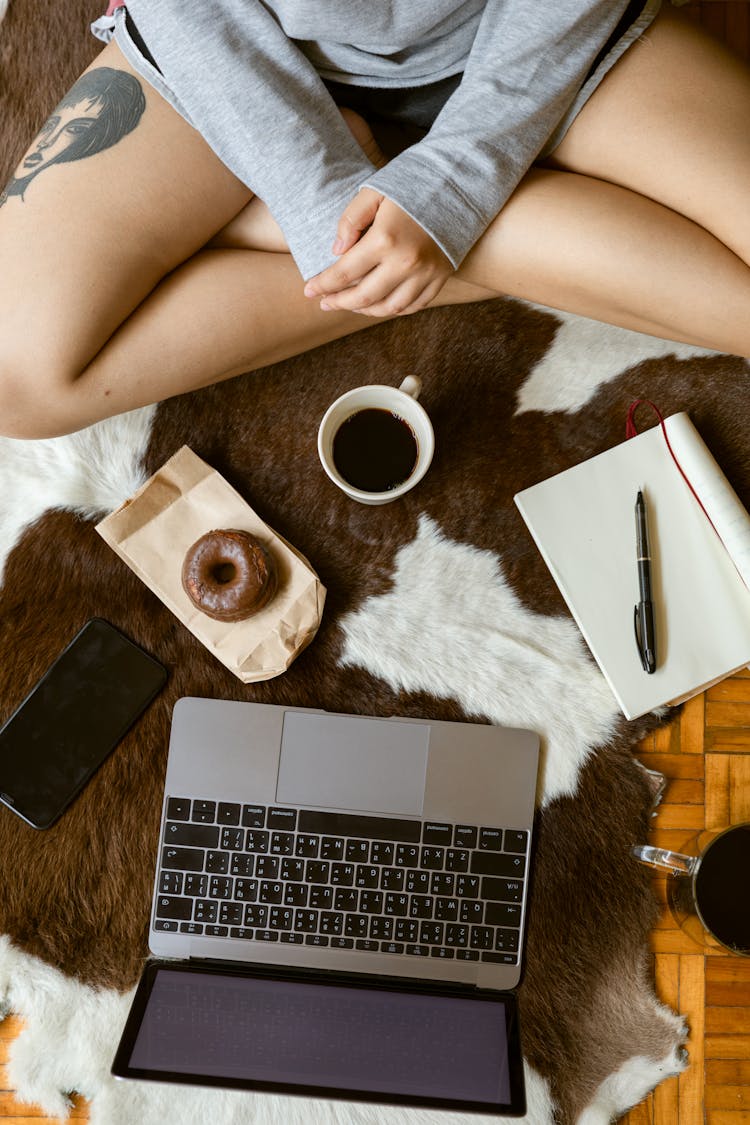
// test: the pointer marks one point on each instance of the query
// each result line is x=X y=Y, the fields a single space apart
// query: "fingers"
x=356 y=218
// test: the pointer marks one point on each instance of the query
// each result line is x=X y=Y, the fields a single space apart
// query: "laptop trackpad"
x=347 y=762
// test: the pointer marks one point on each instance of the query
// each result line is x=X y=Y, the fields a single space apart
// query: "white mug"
x=400 y=401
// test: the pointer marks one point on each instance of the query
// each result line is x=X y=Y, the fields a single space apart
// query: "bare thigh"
x=114 y=193
x=671 y=121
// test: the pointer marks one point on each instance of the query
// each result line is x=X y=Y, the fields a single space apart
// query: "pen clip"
x=639 y=638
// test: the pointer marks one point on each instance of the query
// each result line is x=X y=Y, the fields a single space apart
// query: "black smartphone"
x=73 y=719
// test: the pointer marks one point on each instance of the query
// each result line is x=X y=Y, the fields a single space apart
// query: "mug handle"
x=660 y=857
x=411 y=386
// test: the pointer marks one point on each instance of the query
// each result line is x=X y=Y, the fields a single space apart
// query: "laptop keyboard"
x=369 y=883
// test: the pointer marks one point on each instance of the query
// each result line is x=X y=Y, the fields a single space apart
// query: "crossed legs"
x=114 y=294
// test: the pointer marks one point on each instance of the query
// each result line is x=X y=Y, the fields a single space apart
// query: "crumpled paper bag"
x=152 y=532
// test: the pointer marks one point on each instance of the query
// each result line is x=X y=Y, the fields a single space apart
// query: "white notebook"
x=583 y=522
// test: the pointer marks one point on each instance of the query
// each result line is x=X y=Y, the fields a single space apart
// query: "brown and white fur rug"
x=439 y=606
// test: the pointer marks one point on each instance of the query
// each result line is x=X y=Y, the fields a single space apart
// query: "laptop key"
x=503 y=914
x=465 y=836
x=178 y=808
x=501 y=958
x=242 y=932
x=345 y=899
x=355 y=926
x=467 y=886
x=437 y=834
x=502 y=890
x=433 y=858
x=446 y=909
x=516 y=841
x=166 y=926
x=491 y=863
x=506 y=941
x=331 y=922
x=443 y=953
x=255 y=915
x=418 y=950
x=182 y=859
x=191 y=835
x=170 y=883
x=180 y=909
x=242 y=864
x=190 y=928
x=232 y=839
x=442 y=884
x=291 y=938
x=285 y=819
x=205 y=911
x=307 y=847
x=407 y=930
x=292 y=870
x=367 y=945
x=421 y=906
x=321 y=898
x=316 y=939
x=295 y=894
x=253 y=816
x=230 y=913
x=456 y=935
x=491 y=839
x=220 y=887
x=471 y=955
x=267 y=867
x=364 y=827
x=317 y=871
x=282 y=843
x=392 y=879
x=407 y=855
x=196 y=885
x=456 y=859
x=245 y=890
x=281 y=918
x=217 y=863
x=305 y=921
x=396 y=906
x=367 y=877
x=332 y=847
x=204 y=812
x=256 y=841
x=381 y=928
x=357 y=851
x=382 y=852
x=216 y=931
x=228 y=813
x=431 y=933
x=271 y=892
x=391 y=947
x=471 y=911
x=266 y=935
x=481 y=937
x=342 y=943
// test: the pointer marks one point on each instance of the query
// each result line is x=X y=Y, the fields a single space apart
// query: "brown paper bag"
x=153 y=530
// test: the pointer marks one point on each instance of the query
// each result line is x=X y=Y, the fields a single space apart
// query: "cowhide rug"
x=438 y=605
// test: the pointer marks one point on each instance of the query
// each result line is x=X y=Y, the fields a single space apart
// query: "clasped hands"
x=388 y=265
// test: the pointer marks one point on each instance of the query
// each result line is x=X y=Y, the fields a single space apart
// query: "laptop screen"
x=394 y=1042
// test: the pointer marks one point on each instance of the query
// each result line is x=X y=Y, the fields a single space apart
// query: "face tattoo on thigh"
x=99 y=110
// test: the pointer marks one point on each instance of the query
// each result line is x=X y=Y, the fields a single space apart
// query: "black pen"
x=645 y=635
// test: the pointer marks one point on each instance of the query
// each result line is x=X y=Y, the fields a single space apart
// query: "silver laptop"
x=382 y=864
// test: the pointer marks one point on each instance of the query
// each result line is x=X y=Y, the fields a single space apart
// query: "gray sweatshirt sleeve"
x=528 y=61
x=267 y=116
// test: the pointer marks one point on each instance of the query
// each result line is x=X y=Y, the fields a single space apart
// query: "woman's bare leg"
x=642 y=216
x=144 y=312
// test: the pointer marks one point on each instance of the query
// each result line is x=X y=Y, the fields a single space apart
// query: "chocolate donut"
x=229 y=575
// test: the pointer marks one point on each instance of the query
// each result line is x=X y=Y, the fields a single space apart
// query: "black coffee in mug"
x=375 y=450
x=722 y=888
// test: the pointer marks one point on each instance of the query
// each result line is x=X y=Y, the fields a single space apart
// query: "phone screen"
x=72 y=719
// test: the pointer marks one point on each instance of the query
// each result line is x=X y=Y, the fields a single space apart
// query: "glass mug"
x=709 y=888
